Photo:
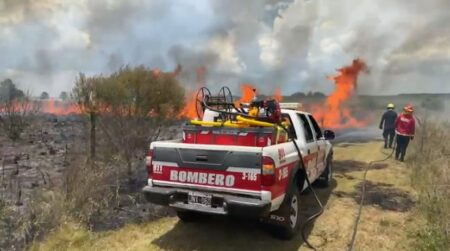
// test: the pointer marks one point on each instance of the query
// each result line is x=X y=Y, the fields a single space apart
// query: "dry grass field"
x=389 y=219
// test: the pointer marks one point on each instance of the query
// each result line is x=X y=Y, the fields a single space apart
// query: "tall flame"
x=247 y=94
x=335 y=113
x=189 y=110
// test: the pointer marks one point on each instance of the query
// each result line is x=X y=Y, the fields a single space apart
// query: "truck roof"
x=294 y=111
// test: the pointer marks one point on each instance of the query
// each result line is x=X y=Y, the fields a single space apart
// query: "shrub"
x=16 y=110
x=42 y=213
x=431 y=178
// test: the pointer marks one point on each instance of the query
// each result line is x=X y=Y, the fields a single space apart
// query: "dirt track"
x=387 y=215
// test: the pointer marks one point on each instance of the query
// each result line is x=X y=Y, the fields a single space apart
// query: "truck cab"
x=253 y=172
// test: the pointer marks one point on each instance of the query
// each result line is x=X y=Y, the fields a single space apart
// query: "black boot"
x=402 y=157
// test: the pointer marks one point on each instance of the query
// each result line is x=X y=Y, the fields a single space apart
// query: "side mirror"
x=329 y=135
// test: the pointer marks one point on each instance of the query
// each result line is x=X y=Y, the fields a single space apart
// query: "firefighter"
x=387 y=124
x=405 y=126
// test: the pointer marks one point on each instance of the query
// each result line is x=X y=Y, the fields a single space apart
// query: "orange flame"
x=189 y=111
x=335 y=114
x=247 y=94
x=60 y=108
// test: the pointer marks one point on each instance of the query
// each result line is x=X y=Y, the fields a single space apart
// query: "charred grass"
x=388 y=205
x=46 y=180
x=381 y=195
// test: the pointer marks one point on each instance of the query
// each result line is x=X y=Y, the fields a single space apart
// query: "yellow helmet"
x=390 y=106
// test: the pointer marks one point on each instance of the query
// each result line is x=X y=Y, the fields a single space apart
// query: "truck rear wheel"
x=188 y=216
x=292 y=222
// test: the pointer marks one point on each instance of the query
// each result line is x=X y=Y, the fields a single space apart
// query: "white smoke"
x=269 y=43
x=405 y=43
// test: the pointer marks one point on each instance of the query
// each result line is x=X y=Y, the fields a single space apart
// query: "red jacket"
x=405 y=125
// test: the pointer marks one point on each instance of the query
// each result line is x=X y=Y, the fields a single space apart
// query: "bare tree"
x=84 y=94
x=16 y=110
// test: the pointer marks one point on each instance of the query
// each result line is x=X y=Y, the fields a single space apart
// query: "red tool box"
x=250 y=136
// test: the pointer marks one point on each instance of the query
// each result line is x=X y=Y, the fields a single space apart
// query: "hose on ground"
x=320 y=212
x=363 y=192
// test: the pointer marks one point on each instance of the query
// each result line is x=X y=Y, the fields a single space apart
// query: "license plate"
x=199 y=198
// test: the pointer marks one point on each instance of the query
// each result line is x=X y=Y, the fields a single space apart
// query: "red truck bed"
x=250 y=136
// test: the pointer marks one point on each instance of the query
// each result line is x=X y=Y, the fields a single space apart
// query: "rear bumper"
x=222 y=204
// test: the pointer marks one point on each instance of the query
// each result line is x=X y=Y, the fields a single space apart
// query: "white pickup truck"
x=201 y=176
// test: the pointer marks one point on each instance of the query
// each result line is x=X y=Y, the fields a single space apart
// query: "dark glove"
x=412 y=137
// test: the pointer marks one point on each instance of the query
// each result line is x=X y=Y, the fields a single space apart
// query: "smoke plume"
x=291 y=44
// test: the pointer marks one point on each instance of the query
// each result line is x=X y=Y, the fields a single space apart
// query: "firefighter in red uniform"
x=405 y=126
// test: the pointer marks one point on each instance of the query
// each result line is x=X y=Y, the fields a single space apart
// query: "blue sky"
x=293 y=44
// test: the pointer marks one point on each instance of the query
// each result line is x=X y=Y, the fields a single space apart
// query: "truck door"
x=310 y=157
x=321 y=145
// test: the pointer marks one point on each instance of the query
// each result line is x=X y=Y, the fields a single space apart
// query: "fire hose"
x=314 y=216
x=320 y=212
x=363 y=192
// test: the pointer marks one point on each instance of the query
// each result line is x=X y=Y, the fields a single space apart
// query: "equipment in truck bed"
x=223 y=101
x=260 y=110
x=254 y=124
